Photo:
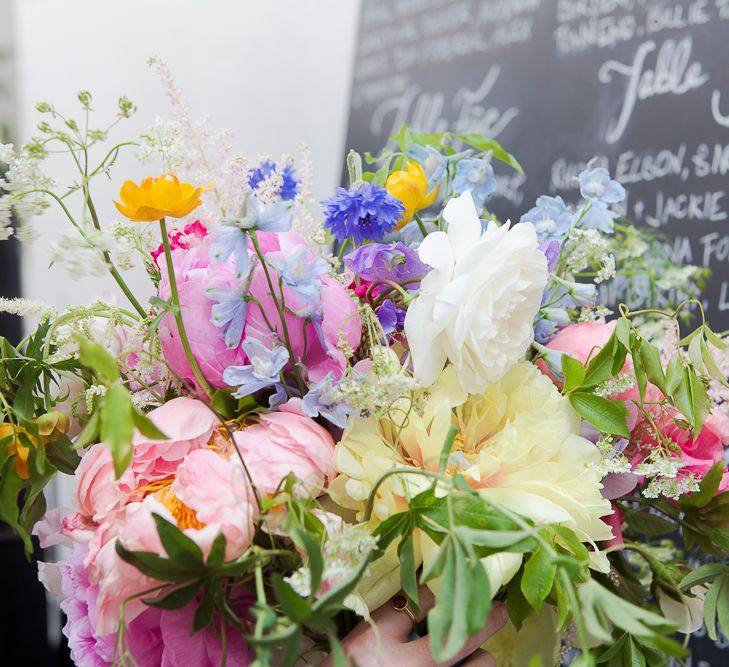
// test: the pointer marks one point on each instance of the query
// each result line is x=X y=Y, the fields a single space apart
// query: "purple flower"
x=391 y=317
x=544 y=331
x=365 y=213
x=290 y=186
x=551 y=250
x=379 y=261
x=322 y=400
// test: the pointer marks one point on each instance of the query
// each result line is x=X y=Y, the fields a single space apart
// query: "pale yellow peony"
x=517 y=443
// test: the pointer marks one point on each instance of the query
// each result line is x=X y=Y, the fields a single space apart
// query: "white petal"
x=464 y=226
x=427 y=355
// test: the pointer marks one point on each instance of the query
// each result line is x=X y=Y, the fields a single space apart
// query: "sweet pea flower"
x=375 y=262
x=287 y=442
x=390 y=316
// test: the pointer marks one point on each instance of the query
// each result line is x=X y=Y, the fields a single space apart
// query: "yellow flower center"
x=184 y=516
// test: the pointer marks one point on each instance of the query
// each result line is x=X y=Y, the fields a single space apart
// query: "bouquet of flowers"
x=320 y=408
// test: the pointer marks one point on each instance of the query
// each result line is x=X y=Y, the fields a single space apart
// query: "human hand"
x=390 y=645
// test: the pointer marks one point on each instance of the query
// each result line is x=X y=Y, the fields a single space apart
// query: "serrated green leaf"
x=155 y=567
x=622 y=332
x=703 y=575
x=204 y=613
x=62 y=455
x=674 y=374
x=711 y=365
x=605 y=415
x=295 y=607
x=710 y=603
x=117 y=426
x=600 y=367
x=694 y=353
x=216 y=557
x=714 y=339
x=408 y=572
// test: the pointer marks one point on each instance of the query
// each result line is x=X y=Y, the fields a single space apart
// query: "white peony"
x=476 y=307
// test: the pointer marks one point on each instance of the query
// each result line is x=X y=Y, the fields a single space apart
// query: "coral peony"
x=287 y=442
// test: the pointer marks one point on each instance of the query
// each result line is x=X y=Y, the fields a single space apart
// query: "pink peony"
x=313 y=342
x=195 y=273
x=188 y=425
x=287 y=442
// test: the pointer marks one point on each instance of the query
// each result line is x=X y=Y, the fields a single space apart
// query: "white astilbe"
x=80 y=258
x=305 y=223
x=26 y=308
x=208 y=158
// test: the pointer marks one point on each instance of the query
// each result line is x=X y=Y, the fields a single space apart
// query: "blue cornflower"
x=262 y=372
x=229 y=312
x=365 y=213
x=599 y=189
x=322 y=400
x=476 y=175
x=290 y=187
x=301 y=273
x=432 y=162
x=550 y=217
x=602 y=219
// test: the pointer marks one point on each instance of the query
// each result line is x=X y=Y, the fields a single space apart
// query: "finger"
x=480 y=658
x=397 y=624
x=496 y=620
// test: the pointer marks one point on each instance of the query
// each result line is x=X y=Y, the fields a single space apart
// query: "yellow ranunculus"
x=518 y=444
x=411 y=188
x=157 y=198
x=18 y=447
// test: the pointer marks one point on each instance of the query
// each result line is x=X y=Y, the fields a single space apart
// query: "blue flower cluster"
x=364 y=213
x=289 y=188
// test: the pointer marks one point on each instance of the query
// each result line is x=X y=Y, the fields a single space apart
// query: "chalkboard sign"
x=643 y=85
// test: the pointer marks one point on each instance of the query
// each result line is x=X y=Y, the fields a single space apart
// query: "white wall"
x=277 y=72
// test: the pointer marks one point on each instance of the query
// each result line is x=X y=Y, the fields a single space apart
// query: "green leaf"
x=204 y=613
x=600 y=367
x=485 y=144
x=146 y=426
x=605 y=415
x=447 y=446
x=10 y=487
x=516 y=604
x=711 y=365
x=408 y=572
x=390 y=529
x=179 y=547
x=574 y=373
x=216 y=557
x=700 y=403
x=714 y=339
x=162 y=569
x=295 y=607
x=314 y=557
x=722 y=606
x=674 y=374
x=90 y=432
x=703 y=575
x=62 y=455
x=538 y=578
x=694 y=353
x=98 y=359
x=176 y=599
x=708 y=487
x=648 y=524
x=573 y=543
x=117 y=426
x=651 y=359
x=710 y=604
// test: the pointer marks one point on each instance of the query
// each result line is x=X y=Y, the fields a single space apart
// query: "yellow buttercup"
x=156 y=198
x=410 y=186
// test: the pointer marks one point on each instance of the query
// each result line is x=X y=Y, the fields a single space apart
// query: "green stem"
x=421 y=224
x=342 y=248
x=178 y=313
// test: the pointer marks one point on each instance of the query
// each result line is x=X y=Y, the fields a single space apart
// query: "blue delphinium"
x=432 y=162
x=322 y=400
x=302 y=273
x=601 y=219
x=365 y=213
x=229 y=312
x=476 y=175
x=599 y=189
x=262 y=372
x=231 y=238
x=544 y=331
x=550 y=217
x=290 y=187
